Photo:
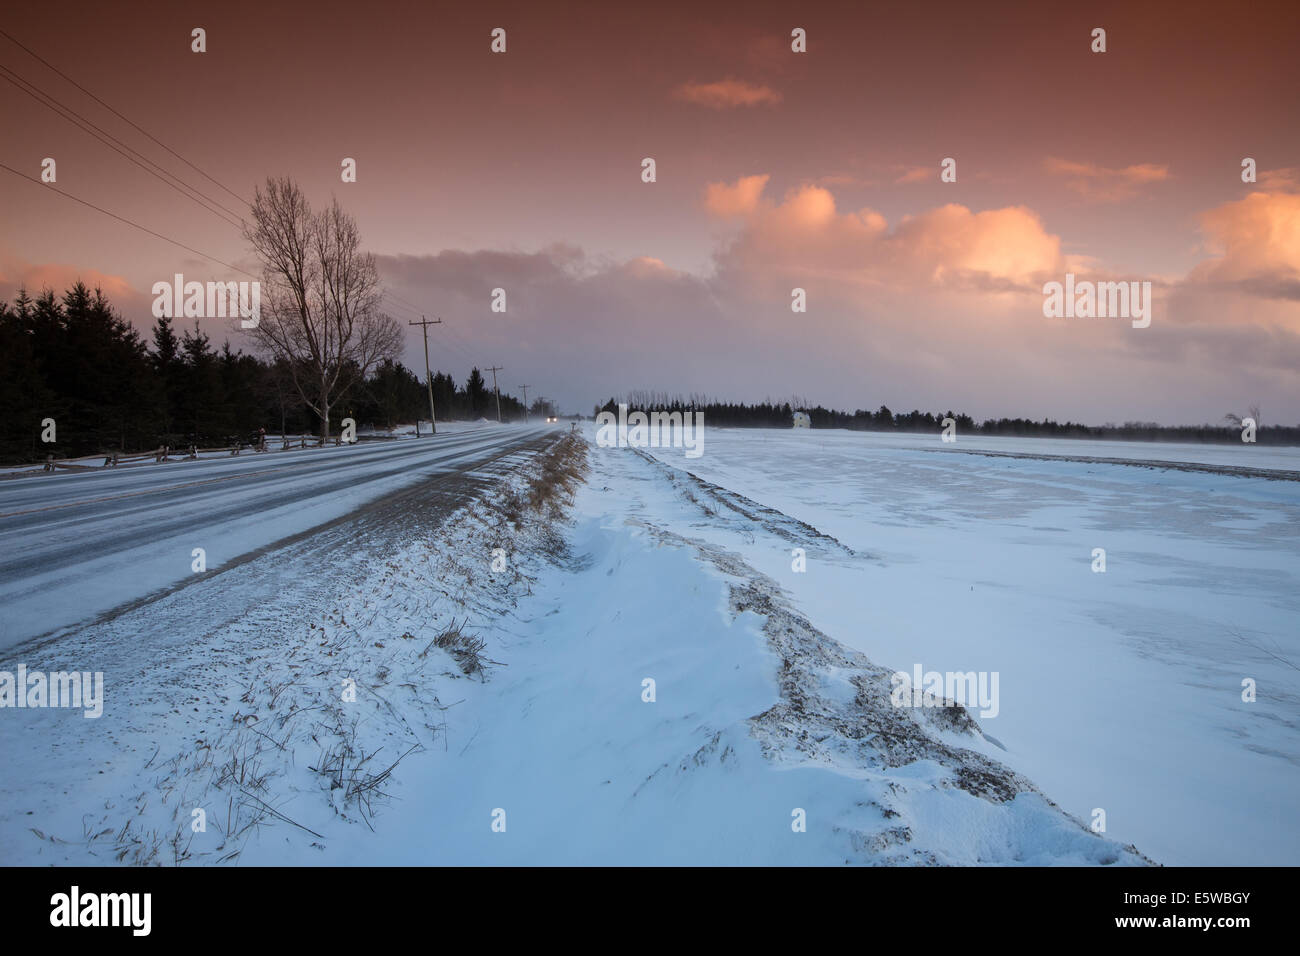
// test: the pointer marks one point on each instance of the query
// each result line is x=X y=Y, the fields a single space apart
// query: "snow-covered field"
x=1120 y=690
x=1229 y=455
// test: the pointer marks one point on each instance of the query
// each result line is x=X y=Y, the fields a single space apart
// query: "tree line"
x=779 y=414
x=75 y=360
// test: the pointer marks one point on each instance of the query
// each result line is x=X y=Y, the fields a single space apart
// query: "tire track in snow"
x=747 y=511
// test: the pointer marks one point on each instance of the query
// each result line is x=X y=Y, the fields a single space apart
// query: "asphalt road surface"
x=75 y=546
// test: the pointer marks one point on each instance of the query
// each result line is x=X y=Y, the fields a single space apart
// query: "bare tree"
x=1253 y=413
x=320 y=296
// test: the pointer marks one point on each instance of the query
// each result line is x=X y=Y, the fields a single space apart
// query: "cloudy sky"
x=774 y=170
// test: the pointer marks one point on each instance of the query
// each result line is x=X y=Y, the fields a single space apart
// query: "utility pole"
x=428 y=379
x=525 y=388
x=494 y=369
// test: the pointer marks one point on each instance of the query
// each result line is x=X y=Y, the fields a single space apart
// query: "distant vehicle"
x=551 y=419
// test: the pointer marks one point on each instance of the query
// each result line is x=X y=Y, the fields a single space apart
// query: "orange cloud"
x=1106 y=184
x=16 y=273
x=737 y=200
x=647 y=267
x=727 y=94
x=951 y=246
x=1258 y=244
x=918 y=174
x=1009 y=244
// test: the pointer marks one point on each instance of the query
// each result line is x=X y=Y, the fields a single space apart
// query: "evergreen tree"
x=167 y=365
x=476 y=393
x=200 y=403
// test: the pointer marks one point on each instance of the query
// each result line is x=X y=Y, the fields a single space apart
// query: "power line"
x=87 y=126
x=398 y=309
x=32 y=53
x=129 y=222
x=397 y=298
x=525 y=388
x=466 y=345
x=385 y=293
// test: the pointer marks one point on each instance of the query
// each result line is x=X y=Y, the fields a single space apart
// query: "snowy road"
x=73 y=546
